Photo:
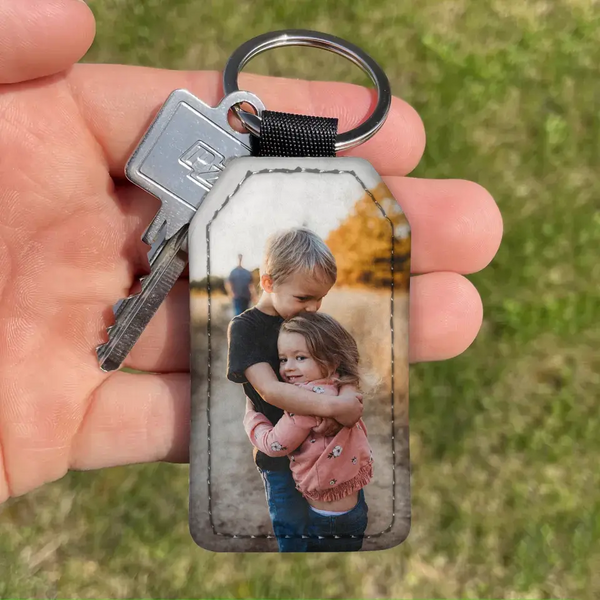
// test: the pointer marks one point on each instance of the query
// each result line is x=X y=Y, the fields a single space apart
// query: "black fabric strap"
x=285 y=134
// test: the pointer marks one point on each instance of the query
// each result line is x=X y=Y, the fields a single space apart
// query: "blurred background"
x=504 y=439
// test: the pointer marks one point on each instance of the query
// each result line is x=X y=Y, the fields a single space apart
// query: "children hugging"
x=300 y=372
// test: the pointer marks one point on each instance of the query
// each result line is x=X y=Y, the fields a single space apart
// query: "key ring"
x=302 y=37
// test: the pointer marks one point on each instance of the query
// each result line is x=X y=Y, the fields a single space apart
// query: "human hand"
x=347 y=407
x=70 y=227
x=327 y=427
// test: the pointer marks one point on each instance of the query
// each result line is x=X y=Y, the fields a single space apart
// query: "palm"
x=59 y=215
x=70 y=246
x=66 y=261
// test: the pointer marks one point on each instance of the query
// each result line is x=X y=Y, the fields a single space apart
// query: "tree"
x=372 y=245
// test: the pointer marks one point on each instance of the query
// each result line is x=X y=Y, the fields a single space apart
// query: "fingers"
x=133 y=419
x=119 y=103
x=42 y=38
x=445 y=317
x=455 y=224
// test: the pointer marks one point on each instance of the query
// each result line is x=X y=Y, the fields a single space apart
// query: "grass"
x=504 y=439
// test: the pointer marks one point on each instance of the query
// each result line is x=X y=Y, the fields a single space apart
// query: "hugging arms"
x=346 y=408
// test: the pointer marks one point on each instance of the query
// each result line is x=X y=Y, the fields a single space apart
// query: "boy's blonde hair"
x=298 y=250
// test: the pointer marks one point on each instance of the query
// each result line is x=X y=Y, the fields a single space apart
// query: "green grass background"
x=505 y=439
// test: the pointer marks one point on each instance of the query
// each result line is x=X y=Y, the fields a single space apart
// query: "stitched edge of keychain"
x=297 y=170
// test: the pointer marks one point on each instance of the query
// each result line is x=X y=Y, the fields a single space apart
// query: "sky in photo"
x=268 y=203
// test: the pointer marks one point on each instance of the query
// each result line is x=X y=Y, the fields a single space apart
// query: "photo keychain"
x=299 y=275
x=299 y=265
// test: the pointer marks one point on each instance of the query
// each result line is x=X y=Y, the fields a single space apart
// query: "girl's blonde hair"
x=330 y=344
x=298 y=250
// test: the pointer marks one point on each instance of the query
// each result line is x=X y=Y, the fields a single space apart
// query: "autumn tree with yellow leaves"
x=372 y=245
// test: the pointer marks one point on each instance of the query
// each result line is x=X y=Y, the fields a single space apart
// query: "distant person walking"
x=240 y=288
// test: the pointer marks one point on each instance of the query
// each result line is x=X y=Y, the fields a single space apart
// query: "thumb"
x=42 y=38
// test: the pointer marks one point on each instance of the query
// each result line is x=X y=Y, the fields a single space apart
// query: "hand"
x=327 y=427
x=348 y=408
x=70 y=227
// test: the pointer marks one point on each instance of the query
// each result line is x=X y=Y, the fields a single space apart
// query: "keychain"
x=299 y=268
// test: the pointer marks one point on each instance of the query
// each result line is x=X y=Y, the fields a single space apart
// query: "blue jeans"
x=353 y=523
x=288 y=510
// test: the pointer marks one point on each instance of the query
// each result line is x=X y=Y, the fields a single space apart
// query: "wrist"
x=332 y=408
x=269 y=390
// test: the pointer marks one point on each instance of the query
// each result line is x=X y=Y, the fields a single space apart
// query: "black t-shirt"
x=252 y=338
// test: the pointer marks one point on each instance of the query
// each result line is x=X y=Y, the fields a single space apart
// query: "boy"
x=298 y=271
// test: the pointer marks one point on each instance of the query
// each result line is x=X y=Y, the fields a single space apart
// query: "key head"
x=184 y=151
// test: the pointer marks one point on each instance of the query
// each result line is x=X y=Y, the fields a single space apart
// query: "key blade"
x=135 y=312
x=153 y=230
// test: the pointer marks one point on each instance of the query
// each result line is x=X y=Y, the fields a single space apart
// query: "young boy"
x=298 y=271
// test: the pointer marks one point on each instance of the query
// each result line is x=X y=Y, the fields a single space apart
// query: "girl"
x=317 y=353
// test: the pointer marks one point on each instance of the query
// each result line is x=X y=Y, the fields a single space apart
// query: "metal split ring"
x=300 y=37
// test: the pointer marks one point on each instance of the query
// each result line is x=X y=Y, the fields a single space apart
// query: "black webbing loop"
x=285 y=134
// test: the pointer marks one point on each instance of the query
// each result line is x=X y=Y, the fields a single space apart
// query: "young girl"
x=317 y=353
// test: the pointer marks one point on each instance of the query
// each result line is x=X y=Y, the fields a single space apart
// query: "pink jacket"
x=324 y=468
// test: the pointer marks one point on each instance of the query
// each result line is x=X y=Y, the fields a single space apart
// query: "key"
x=135 y=312
x=178 y=160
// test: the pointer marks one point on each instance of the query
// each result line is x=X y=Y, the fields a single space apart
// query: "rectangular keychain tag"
x=299 y=283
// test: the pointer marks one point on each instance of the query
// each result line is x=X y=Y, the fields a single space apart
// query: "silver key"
x=136 y=311
x=179 y=159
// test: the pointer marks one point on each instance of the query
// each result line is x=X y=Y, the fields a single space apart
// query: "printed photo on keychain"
x=299 y=283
